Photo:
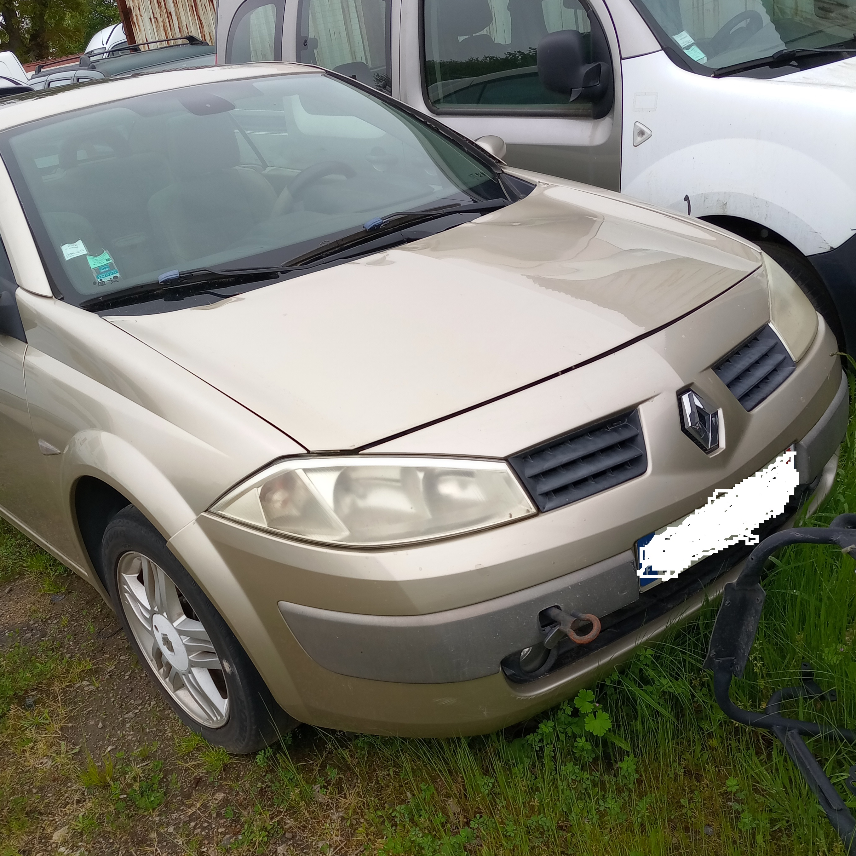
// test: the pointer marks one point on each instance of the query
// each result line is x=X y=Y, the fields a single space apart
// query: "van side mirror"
x=493 y=145
x=10 y=318
x=562 y=69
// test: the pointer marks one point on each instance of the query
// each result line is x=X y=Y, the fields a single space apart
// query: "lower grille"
x=584 y=462
x=759 y=366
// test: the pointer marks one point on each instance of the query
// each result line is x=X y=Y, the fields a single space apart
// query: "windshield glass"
x=719 y=33
x=230 y=174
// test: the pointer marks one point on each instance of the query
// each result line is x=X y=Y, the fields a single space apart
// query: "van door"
x=472 y=63
x=351 y=37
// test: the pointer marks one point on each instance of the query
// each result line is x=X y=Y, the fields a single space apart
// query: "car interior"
x=180 y=180
x=482 y=53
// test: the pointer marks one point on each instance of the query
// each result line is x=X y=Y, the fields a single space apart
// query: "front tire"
x=183 y=643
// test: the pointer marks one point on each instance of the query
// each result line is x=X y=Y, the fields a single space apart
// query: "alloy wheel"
x=173 y=640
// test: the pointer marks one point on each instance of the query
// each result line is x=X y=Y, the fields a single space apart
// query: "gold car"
x=354 y=425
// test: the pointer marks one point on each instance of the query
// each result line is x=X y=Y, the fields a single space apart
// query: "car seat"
x=212 y=202
x=461 y=23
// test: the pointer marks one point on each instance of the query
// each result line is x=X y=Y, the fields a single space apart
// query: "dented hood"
x=348 y=356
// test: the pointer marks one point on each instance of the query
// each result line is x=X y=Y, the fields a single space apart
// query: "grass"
x=643 y=763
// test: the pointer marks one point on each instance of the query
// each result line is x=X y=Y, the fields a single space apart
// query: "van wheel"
x=806 y=277
x=183 y=643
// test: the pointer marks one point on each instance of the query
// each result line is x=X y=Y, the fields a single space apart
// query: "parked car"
x=10 y=86
x=11 y=69
x=107 y=39
x=123 y=61
x=355 y=426
x=736 y=114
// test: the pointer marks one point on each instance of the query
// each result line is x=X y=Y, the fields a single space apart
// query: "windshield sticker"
x=691 y=49
x=103 y=268
x=72 y=251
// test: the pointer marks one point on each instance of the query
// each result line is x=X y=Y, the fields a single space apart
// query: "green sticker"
x=103 y=268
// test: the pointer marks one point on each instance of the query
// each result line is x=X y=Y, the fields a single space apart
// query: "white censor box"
x=729 y=517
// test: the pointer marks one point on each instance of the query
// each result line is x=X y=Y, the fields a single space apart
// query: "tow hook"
x=730 y=644
x=569 y=624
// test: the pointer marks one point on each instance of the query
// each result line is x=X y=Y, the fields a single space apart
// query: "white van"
x=740 y=112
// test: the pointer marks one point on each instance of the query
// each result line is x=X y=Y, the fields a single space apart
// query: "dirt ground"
x=98 y=764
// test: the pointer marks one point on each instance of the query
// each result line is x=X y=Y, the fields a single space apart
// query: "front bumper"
x=410 y=642
x=471 y=642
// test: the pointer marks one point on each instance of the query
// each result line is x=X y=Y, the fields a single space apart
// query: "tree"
x=42 y=29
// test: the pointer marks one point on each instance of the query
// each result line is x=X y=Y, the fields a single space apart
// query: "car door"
x=22 y=476
x=473 y=64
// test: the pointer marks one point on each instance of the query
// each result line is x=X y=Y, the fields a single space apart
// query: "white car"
x=107 y=39
x=741 y=114
x=11 y=71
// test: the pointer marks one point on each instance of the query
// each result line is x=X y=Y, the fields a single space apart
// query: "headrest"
x=465 y=17
x=199 y=145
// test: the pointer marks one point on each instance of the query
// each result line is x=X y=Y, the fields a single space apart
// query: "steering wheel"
x=735 y=31
x=306 y=179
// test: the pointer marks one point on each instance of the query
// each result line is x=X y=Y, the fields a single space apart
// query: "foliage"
x=44 y=29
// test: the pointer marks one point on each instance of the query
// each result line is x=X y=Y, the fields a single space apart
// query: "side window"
x=256 y=33
x=350 y=37
x=481 y=55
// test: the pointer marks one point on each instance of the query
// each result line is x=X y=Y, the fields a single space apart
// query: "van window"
x=256 y=33
x=350 y=37
x=480 y=55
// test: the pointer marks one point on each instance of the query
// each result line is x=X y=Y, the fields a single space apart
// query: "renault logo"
x=699 y=421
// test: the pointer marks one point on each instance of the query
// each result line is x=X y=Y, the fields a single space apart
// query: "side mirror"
x=563 y=69
x=493 y=145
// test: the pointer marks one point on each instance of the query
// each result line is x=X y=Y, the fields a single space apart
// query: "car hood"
x=345 y=357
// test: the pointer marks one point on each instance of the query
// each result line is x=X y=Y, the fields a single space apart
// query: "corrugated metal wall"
x=163 y=19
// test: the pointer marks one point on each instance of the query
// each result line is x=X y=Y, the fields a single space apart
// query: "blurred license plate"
x=729 y=517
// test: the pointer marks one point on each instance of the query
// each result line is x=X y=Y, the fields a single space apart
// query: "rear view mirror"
x=562 y=68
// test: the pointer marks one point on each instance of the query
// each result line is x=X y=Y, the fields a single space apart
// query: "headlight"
x=791 y=313
x=377 y=501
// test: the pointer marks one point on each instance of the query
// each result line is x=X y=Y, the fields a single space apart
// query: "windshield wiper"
x=783 y=56
x=186 y=281
x=390 y=223
x=197 y=280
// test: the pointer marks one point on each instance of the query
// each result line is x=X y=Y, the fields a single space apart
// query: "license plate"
x=729 y=517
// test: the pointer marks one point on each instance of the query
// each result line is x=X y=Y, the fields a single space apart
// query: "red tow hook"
x=568 y=624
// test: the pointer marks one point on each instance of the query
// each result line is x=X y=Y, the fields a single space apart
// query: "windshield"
x=229 y=174
x=720 y=33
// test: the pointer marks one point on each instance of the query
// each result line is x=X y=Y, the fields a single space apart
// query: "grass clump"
x=20 y=557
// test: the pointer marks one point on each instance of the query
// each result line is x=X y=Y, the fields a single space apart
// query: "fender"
x=776 y=152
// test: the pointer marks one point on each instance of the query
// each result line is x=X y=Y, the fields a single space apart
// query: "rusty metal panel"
x=163 y=19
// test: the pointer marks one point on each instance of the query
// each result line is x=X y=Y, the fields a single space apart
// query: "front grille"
x=584 y=462
x=753 y=370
